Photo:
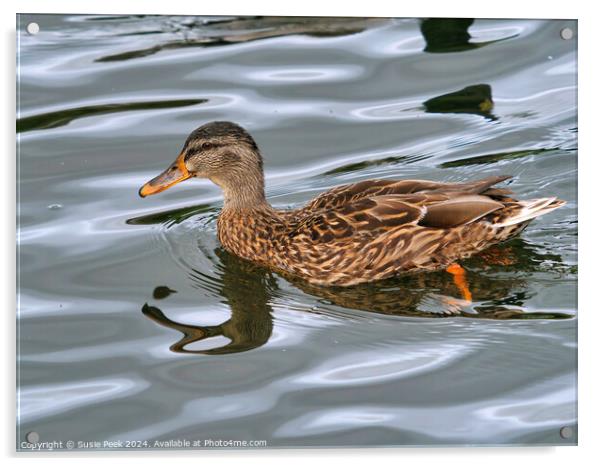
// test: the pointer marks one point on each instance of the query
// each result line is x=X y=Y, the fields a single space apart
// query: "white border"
x=590 y=226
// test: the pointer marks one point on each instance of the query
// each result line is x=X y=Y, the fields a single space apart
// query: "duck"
x=355 y=233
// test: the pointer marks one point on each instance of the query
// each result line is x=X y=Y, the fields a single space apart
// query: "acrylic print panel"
x=382 y=313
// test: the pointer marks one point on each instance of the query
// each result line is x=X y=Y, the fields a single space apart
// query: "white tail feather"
x=530 y=209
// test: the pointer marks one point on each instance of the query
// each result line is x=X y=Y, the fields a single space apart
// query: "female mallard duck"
x=350 y=234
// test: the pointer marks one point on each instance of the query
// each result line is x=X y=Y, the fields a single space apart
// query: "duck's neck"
x=245 y=220
x=244 y=193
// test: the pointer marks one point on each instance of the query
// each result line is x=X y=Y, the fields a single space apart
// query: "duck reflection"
x=444 y=35
x=447 y=34
x=475 y=99
x=247 y=290
x=250 y=289
x=204 y=32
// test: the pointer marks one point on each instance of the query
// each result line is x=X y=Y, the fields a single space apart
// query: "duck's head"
x=221 y=151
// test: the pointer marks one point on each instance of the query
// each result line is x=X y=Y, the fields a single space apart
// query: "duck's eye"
x=208 y=145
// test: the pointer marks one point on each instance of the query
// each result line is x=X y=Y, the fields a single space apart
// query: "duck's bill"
x=174 y=174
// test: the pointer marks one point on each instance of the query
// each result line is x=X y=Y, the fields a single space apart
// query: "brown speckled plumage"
x=355 y=233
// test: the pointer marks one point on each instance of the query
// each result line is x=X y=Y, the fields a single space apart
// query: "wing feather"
x=344 y=194
x=374 y=207
x=459 y=210
x=368 y=216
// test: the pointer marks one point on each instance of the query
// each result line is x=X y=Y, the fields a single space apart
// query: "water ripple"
x=50 y=400
x=374 y=367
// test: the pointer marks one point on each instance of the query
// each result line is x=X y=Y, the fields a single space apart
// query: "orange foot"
x=460 y=280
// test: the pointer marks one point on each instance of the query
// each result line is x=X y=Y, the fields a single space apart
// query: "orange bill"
x=174 y=174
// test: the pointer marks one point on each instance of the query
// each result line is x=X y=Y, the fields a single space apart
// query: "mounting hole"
x=33 y=28
x=32 y=437
x=566 y=432
x=566 y=33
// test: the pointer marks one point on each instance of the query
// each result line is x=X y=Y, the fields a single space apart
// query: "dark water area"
x=135 y=325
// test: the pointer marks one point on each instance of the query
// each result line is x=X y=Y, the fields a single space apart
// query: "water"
x=136 y=326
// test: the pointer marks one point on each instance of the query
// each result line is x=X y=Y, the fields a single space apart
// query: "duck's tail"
x=524 y=211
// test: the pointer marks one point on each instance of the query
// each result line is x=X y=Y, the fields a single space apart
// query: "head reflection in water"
x=249 y=289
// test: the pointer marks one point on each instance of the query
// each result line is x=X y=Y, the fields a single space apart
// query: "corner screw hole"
x=33 y=28
x=566 y=432
x=32 y=437
x=566 y=33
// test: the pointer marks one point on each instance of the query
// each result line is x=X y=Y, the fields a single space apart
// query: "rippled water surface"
x=135 y=325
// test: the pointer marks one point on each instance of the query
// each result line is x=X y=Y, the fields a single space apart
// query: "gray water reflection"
x=106 y=101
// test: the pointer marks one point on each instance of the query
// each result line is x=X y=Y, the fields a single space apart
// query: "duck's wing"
x=371 y=217
x=342 y=195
